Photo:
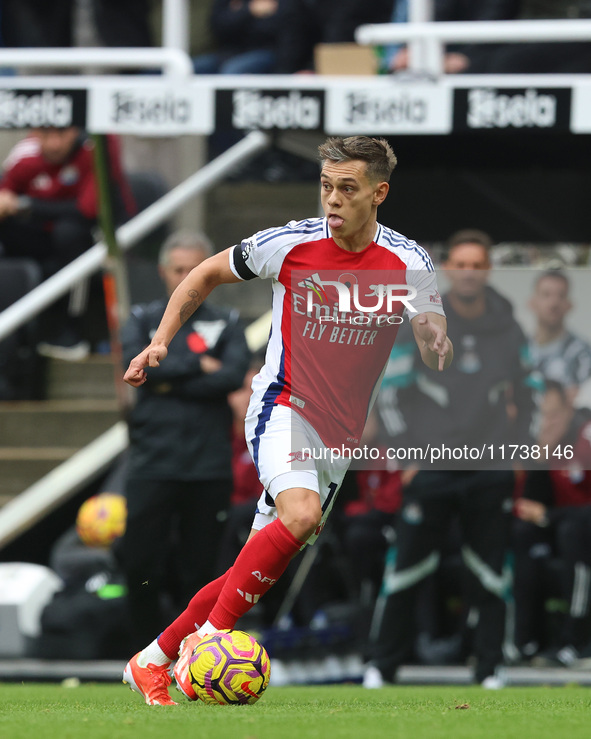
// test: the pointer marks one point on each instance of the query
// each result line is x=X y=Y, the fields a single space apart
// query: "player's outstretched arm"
x=430 y=330
x=183 y=302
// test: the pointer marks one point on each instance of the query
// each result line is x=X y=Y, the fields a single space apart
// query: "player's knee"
x=302 y=520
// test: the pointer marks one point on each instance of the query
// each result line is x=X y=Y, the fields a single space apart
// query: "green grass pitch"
x=106 y=711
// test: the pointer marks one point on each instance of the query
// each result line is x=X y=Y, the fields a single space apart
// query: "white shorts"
x=288 y=453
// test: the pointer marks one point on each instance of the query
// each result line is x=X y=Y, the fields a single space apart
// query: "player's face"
x=180 y=263
x=350 y=200
x=550 y=301
x=57 y=143
x=467 y=269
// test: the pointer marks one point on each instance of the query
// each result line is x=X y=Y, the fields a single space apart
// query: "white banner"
x=153 y=110
x=389 y=109
x=581 y=108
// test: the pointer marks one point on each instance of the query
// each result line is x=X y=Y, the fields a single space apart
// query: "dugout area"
x=521 y=183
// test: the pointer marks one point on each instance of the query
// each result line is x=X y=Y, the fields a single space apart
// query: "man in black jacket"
x=179 y=478
x=245 y=32
x=306 y=23
x=483 y=401
x=551 y=533
x=470 y=58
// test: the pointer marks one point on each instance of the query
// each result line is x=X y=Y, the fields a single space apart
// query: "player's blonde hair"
x=378 y=154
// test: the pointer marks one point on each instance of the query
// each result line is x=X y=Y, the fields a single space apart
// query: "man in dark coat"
x=179 y=478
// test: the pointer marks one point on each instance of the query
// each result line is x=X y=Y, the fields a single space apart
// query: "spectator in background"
x=123 y=22
x=87 y=617
x=306 y=23
x=179 y=477
x=49 y=209
x=553 y=520
x=367 y=527
x=246 y=35
x=544 y=58
x=48 y=196
x=482 y=399
x=38 y=23
x=466 y=58
x=554 y=351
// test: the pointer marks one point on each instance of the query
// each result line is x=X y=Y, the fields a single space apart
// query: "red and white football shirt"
x=321 y=362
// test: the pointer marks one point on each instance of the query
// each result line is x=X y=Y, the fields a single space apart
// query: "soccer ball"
x=229 y=667
x=101 y=519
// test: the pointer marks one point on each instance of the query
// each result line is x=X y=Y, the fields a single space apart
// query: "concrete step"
x=22 y=466
x=69 y=423
x=93 y=377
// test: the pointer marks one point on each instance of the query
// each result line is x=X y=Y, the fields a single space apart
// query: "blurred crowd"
x=281 y=36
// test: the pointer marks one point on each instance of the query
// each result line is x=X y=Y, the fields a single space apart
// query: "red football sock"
x=194 y=616
x=259 y=565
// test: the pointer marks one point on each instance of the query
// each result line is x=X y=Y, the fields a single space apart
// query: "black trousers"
x=68 y=239
x=170 y=548
x=40 y=23
x=539 y=58
x=561 y=549
x=482 y=503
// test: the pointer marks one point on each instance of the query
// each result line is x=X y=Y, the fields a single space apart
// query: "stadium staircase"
x=80 y=404
x=36 y=436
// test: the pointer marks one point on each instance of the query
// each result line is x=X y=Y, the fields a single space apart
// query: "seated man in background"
x=49 y=208
x=310 y=22
x=555 y=351
x=554 y=522
x=541 y=57
x=246 y=36
x=470 y=58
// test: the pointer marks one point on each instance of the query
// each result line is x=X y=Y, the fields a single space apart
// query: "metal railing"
x=65 y=480
x=468 y=32
x=176 y=24
x=172 y=61
x=129 y=234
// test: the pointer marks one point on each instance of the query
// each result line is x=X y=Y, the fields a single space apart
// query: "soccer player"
x=323 y=366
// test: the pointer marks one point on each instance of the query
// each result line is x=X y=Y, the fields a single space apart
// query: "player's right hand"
x=150 y=357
